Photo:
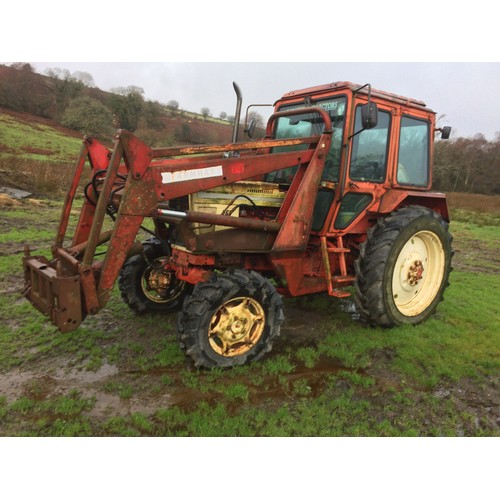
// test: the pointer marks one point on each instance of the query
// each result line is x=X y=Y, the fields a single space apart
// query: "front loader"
x=335 y=198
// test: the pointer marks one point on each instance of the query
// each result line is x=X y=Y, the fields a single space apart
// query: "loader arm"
x=153 y=178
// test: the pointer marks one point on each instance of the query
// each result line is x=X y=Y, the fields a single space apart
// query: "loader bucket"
x=58 y=297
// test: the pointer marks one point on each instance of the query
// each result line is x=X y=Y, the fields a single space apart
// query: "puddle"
x=16 y=383
x=149 y=393
x=86 y=376
x=36 y=386
x=12 y=384
x=270 y=387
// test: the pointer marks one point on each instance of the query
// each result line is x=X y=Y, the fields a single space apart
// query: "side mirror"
x=445 y=132
x=250 y=128
x=369 y=115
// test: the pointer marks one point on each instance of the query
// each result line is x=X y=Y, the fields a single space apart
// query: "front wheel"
x=403 y=267
x=230 y=320
x=146 y=283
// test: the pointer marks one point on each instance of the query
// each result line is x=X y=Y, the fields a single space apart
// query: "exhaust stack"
x=237 y=114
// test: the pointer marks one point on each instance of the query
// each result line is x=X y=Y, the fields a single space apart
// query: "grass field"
x=329 y=374
x=36 y=140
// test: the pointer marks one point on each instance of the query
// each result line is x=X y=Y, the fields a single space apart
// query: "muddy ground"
x=52 y=374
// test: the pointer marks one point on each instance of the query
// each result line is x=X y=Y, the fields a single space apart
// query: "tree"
x=259 y=120
x=131 y=89
x=88 y=116
x=173 y=105
x=21 y=66
x=183 y=134
x=127 y=109
x=20 y=90
x=223 y=115
x=67 y=87
x=205 y=112
x=58 y=73
x=86 y=78
x=469 y=164
x=152 y=115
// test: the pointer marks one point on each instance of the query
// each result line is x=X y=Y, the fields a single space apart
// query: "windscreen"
x=310 y=124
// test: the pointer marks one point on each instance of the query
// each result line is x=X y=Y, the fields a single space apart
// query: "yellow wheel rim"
x=418 y=273
x=236 y=326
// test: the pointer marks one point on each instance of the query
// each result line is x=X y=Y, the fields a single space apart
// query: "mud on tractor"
x=334 y=199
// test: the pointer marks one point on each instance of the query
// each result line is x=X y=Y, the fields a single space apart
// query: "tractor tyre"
x=231 y=319
x=403 y=267
x=146 y=286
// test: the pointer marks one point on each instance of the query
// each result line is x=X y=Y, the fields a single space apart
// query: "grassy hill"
x=33 y=107
x=36 y=153
x=23 y=135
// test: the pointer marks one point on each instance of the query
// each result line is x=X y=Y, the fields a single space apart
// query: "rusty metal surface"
x=225 y=220
x=351 y=87
x=238 y=241
x=178 y=179
x=223 y=148
x=102 y=202
x=393 y=198
x=298 y=207
x=123 y=238
x=58 y=297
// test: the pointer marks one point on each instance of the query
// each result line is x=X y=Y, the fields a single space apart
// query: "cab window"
x=306 y=125
x=369 y=149
x=413 y=157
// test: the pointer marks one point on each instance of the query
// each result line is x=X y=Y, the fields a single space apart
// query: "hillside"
x=47 y=100
x=23 y=135
x=36 y=153
x=36 y=148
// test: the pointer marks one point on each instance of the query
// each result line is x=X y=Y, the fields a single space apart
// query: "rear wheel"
x=148 y=285
x=403 y=267
x=230 y=320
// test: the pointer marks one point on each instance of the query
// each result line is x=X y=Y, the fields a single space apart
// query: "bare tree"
x=259 y=120
x=130 y=89
x=205 y=112
x=86 y=78
x=173 y=105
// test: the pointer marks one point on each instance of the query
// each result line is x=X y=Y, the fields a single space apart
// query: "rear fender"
x=394 y=199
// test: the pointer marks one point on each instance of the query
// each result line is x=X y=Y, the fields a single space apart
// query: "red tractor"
x=335 y=197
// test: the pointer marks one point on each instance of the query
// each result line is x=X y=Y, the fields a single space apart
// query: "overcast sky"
x=466 y=93
x=411 y=39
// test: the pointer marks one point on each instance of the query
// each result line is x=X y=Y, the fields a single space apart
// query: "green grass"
x=26 y=235
x=461 y=340
x=36 y=140
x=474 y=218
x=57 y=416
x=308 y=355
x=345 y=380
x=488 y=234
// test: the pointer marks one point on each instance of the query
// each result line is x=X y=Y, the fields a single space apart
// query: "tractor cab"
x=381 y=143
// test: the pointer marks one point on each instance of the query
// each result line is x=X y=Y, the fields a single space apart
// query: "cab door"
x=369 y=158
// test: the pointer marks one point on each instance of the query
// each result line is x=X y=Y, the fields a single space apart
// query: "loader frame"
x=144 y=183
x=74 y=284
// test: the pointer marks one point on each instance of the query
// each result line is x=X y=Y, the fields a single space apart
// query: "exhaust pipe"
x=237 y=114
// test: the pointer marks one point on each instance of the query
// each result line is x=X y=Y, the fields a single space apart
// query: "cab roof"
x=335 y=86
